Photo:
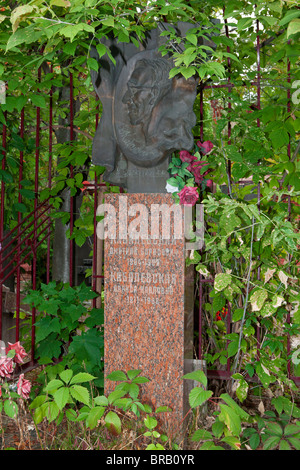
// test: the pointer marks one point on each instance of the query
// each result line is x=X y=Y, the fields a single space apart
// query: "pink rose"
x=205 y=147
x=23 y=387
x=20 y=352
x=185 y=156
x=188 y=196
x=6 y=366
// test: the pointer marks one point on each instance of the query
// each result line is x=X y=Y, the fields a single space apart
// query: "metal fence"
x=19 y=245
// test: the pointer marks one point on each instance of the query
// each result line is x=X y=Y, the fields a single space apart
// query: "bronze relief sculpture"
x=146 y=115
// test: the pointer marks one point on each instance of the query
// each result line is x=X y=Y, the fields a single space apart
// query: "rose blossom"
x=6 y=366
x=205 y=147
x=196 y=170
x=20 y=352
x=23 y=387
x=188 y=196
x=185 y=156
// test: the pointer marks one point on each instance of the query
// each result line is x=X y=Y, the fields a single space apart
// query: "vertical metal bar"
x=18 y=283
x=201 y=115
x=2 y=202
x=34 y=243
x=289 y=109
x=229 y=98
x=71 y=176
x=50 y=144
x=228 y=322
x=258 y=88
x=200 y=316
x=200 y=276
x=95 y=244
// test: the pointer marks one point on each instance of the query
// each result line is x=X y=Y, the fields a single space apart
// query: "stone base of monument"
x=149 y=299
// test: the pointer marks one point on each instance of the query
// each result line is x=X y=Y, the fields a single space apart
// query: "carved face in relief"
x=148 y=83
x=153 y=114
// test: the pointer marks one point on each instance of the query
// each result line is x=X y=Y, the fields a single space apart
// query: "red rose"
x=185 y=156
x=188 y=196
x=196 y=170
x=205 y=147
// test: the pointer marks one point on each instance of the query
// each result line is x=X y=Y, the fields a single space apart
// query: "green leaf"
x=61 y=397
x=50 y=410
x=229 y=417
x=192 y=38
x=66 y=375
x=80 y=394
x=116 y=395
x=163 y=409
x=274 y=429
x=94 y=416
x=295 y=442
x=113 y=423
x=258 y=299
x=101 y=49
x=87 y=346
x=188 y=72
x=82 y=377
x=279 y=138
x=10 y=408
x=92 y=64
x=197 y=375
x=101 y=400
x=233 y=441
x=201 y=434
x=254 y=441
x=150 y=422
x=28 y=193
x=284 y=445
x=222 y=280
x=242 y=390
x=71 y=415
x=292 y=430
x=117 y=375
x=133 y=373
x=38 y=401
x=218 y=429
x=19 y=14
x=140 y=380
x=38 y=100
x=293 y=28
x=271 y=443
x=53 y=385
x=227 y=398
x=109 y=21
x=60 y=3
x=133 y=390
x=289 y=16
x=198 y=396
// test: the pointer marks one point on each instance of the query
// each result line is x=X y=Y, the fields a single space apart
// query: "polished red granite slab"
x=145 y=298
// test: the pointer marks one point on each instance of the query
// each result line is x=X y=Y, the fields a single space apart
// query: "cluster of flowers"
x=7 y=365
x=189 y=195
x=222 y=314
